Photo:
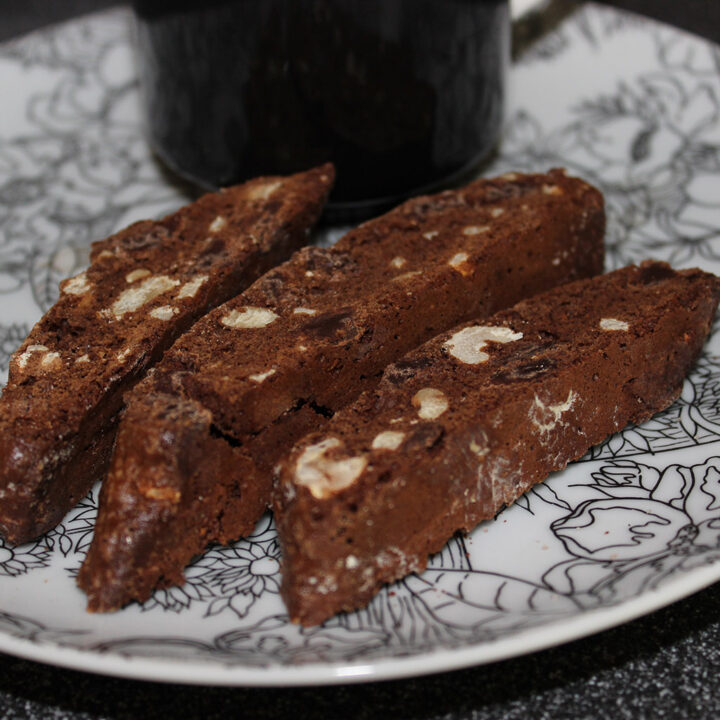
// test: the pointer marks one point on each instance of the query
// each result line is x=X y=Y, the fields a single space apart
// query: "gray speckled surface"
x=665 y=665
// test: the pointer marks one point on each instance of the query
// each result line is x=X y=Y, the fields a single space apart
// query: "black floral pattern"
x=242 y=574
x=72 y=537
x=21 y=559
x=638 y=512
x=652 y=144
x=80 y=167
x=229 y=578
x=639 y=526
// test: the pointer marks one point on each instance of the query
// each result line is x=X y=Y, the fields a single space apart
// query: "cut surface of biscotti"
x=304 y=340
x=471 y=420
x=144 y=287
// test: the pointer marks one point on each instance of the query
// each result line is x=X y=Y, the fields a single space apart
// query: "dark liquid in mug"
x=400 y=94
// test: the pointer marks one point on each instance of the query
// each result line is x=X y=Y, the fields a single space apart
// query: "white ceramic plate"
x=630 y=105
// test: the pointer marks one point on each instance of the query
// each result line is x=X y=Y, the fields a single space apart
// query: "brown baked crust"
x=304 y=340
x=449 y=438
x=160 y=478
x=144 y=287
x=161 y=507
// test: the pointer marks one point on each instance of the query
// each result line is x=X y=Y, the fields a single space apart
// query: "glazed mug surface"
x=402 y=95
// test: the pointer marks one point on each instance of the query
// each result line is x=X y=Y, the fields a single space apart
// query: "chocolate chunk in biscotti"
x=144 y=287
x=469 y=421
x=308 y=337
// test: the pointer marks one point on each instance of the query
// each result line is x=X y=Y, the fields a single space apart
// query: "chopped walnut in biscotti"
x=467 y=344
x=430 y=403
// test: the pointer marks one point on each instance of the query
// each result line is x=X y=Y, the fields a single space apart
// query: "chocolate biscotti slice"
x=145 y=286
x=471 y=420
x=307 y=338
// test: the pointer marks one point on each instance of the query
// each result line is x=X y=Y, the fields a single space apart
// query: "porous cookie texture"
x=471 y=420
x=275 y=362
x=145 y=286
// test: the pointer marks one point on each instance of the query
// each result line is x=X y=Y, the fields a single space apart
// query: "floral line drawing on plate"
x=670 y=524
x=652 y=145
x=81 y=168
x=73 y=535
x=230 y=578
x=17 y=560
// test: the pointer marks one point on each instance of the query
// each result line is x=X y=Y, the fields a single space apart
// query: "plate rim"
x=212 y=672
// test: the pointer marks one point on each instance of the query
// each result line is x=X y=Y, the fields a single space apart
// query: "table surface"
x=665 y=665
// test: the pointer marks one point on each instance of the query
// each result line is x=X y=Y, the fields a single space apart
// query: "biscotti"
x=144 y=287
x=307 y=338
x=471 y=420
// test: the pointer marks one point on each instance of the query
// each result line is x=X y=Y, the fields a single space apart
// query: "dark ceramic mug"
x=402 y=95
